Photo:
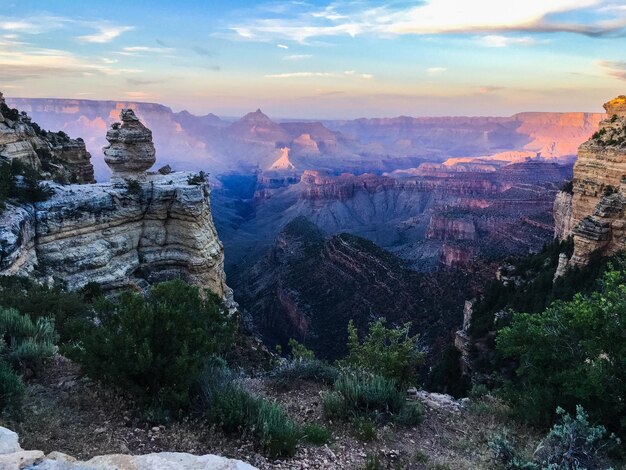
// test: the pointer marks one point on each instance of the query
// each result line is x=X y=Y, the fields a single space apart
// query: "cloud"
x=297 y=57
x=489 y=89
x=435 y=70
x=34 y=25
x=439 y=17
x=496 y=40
x=282 y=46
x=139 y=82
x=616 y=69
x=133 y=50
x=42 y=63
x=105 y=34
x=347 y=73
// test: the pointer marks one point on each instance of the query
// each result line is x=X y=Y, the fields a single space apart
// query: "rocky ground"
x=67 y=413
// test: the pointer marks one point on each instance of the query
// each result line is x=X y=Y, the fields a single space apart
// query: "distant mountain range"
x=256 y=142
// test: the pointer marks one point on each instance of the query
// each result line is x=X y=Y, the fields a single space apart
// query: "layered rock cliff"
x=53 y=154
x=127 y=233
x=595 y=212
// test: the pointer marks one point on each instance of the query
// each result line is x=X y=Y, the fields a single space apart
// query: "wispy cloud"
x=282 y=46
x=615 y=69
x=438 y=17
x=497 y=40
x=435 y=70
x=105 y=34
x=347 y=73
x=297 y=57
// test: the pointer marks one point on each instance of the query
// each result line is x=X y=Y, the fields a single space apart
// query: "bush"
x=568 y=187
x=277 y=433
x=71 y=310
x=25 y=344
x=572 y=353
x=358 y=393
x=11 y=388
x=574 y=443
x=411 y=414
x=300 y=351
x=390 y=352
x=304 y=369
x=316 y=434
x=364 y=428
x=197 y=179
x=234 y=409
x=334 y=405
x=156 y=348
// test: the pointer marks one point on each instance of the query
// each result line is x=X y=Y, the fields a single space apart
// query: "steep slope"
x=595 y=211
x=308 y=287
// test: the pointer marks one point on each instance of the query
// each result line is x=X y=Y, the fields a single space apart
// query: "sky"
x=319 y=59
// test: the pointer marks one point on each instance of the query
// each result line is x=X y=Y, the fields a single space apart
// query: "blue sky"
x=320 y=59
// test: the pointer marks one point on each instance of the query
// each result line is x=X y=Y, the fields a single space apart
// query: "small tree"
x=390 y=352
x=157 y=347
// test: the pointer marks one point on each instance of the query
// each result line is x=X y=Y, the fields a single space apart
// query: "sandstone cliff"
x=119 y=234
x=594 y=215
x=53 y=154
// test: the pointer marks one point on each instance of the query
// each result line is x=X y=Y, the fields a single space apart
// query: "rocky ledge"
x=12 y=456
x=117 y=234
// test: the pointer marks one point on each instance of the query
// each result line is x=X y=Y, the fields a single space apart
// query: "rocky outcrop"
x=52 y=154
x=597 y=209
x=13 y=457
x=119 y=234
x=130 y=151
x=107 y=234
x=563 y=215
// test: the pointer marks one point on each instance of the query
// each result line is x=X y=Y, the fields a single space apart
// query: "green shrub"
x=316 y=434
x=304 y=369
x=334 y=405
x=25 y=343
x=411 y=414
x=364 y=428
x=233 y=408
x=300 y=351
x=507 y=456
x=364 y=392
x=197 y=179
x=71 y=310
x=572 y=353
x=11 y=388
x=156 y=347
x=277 y=433
x=574 y=443
x=390 y=352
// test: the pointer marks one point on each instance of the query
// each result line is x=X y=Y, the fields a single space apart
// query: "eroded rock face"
x=598 y=204
x=562 y=211
x=119 y=238
x=53 y=154
x=130 y=151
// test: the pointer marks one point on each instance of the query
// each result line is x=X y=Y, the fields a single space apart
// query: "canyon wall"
x=594 y=214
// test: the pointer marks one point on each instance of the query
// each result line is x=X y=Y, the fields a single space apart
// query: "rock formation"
x=118 y=234
x=598 y=219
x=130 y=151
x=52 y=154
x=13 y=457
